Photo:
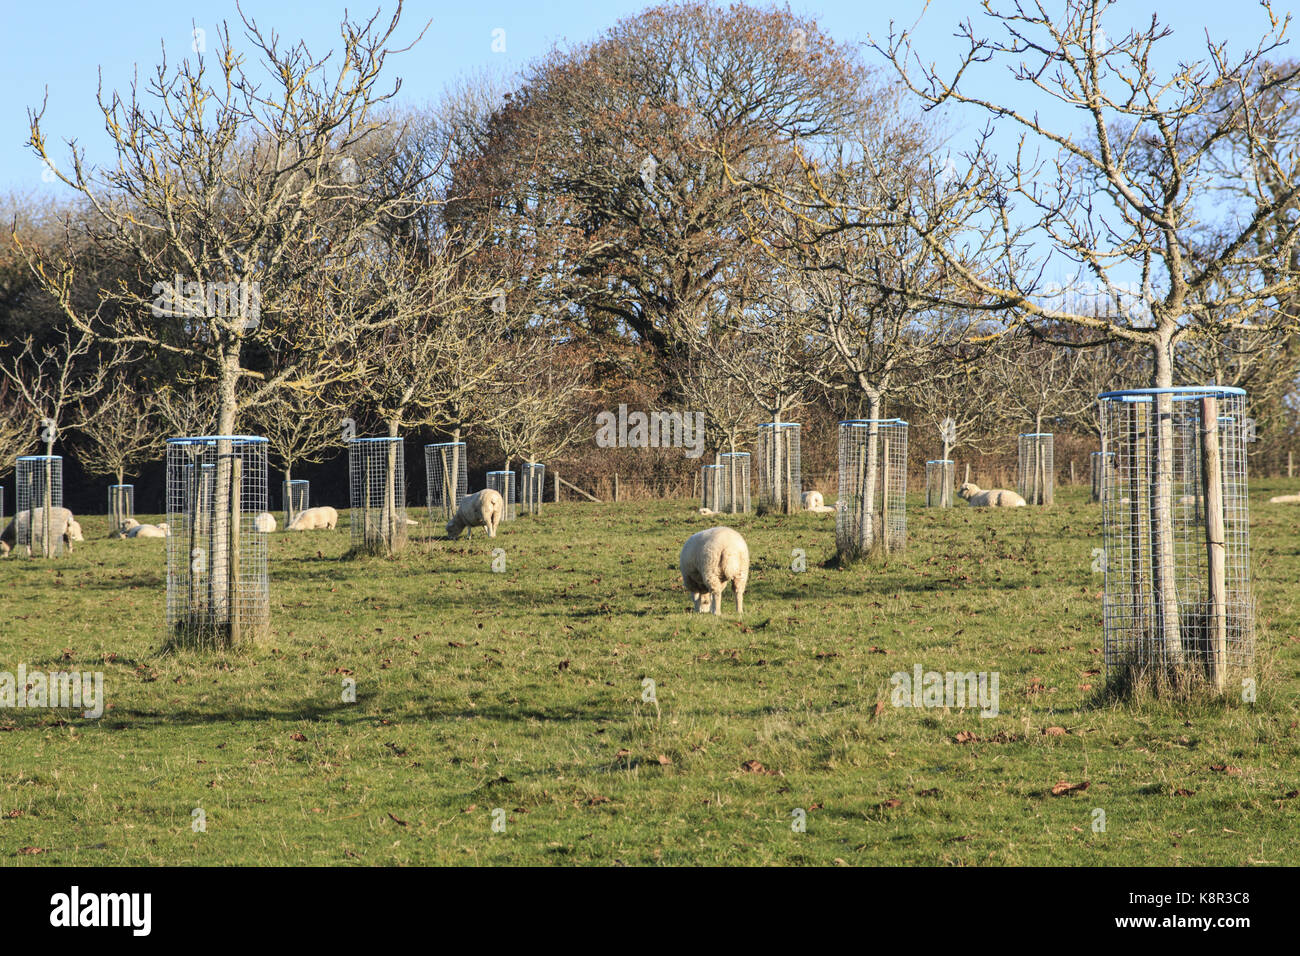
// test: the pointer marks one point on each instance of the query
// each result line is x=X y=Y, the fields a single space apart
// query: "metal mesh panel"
x=1102 y=468
x=377 y=495
x=872 y=486
x=441 y=462
x=503 y=482
x=1036 y=473
x=297 y=498
x=532 y=487
x=1177 y=534
x=939 y=475
x=710 y=487
x=38 y=532
x=734 y=498
x=121 y=504
x=780 y=483
x=218 y=591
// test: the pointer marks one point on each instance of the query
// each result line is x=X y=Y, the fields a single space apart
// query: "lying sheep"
x=265 y=522
x=315 y=519
x=1284 y=500
x=814 y=502
x=149 y=531
x=483 y=509
x=710 y=559
x=62 y=525
x=123 y=528
x=996 y=498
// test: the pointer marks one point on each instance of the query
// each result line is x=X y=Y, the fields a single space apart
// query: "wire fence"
x=39 y=525
x=218 y=586
x=1177 y=536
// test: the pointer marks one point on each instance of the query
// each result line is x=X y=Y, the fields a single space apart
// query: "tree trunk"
x=867 y=516
x=1162 y=509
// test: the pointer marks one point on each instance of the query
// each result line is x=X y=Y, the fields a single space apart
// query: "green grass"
x=522 y=691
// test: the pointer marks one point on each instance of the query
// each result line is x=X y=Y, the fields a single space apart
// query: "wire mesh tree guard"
x=446 y=475
x=734 y=498
x=503 y=482
x=871 y=510
x=38 y=532
x=939 y=477
x=532 y=487
x=377 y=495
x=1036 y=474
x=1178 y=604
x=121 y=505
x=780 y=482
x=296 y=494
x=218 y=589
x=710 y=487
x=1101 y=467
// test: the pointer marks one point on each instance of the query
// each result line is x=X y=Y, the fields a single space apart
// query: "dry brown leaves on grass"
x=1064 y=787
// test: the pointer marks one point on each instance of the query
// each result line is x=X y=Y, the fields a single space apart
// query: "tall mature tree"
x=602 y=169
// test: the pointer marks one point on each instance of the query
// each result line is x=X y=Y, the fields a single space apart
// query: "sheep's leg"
x=740 y=598
x=715 y=599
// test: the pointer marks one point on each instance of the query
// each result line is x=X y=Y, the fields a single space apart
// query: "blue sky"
x=61 y=45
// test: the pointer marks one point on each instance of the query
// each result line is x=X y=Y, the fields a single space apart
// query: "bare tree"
x=122 y=432
x=1120 y=202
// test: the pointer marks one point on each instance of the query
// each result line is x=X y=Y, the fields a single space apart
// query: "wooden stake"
x=1215 y=544
x=236 y=480
x=884 y=496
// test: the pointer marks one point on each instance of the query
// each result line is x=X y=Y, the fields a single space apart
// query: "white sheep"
x=710 y=559
x=123 y=528
x=62 y=525
x=264 y=522
x=1284 y=500
x=995 y=498
x=483 y=509
x=814 y=502
x=315 y=519
x=149 y=531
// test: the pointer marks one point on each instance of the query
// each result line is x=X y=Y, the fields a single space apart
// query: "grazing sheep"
x=995 y=498
x=265 y=523
x=315 y=519
x=1284 y=500
x=411 y=522
x=710 y=559
x=483 y=509
x=62 y=524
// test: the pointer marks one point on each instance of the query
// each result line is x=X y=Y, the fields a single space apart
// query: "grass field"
x=522 y=692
